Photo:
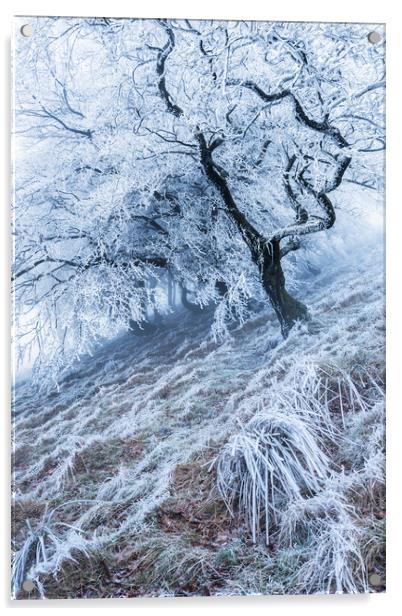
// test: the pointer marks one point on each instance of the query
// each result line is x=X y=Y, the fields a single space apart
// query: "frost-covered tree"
x=203 y=152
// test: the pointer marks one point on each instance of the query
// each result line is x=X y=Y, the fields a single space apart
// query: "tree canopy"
x=202 y=150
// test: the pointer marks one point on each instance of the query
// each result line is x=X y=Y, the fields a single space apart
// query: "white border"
x=292 y=10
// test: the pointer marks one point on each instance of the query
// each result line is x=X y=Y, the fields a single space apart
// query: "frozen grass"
x=44 y=549
x=142 y=434
x=169 y=562
x=275 y=475
x=269 y=464
x=325 y=527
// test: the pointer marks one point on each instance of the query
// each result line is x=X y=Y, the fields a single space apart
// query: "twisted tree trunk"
x=287 y=308
x=266 y=255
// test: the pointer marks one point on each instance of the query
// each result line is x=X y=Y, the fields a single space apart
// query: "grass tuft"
x=273 y=461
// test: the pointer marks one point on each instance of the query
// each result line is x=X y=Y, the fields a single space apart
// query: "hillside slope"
x=123 y=477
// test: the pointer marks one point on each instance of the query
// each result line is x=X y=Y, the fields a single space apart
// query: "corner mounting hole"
x=28 y=585
x=26 y=30
x=376 y=580
x=374 y=37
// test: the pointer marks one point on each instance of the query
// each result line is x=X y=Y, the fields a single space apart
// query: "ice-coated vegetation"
x=212 y=154
x=198 y=402
x=147 y=439
x=267 y=465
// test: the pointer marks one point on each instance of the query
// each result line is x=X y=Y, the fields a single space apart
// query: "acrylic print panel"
x=198 y=395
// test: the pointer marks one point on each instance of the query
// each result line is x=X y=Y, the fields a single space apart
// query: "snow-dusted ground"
x=115 y=469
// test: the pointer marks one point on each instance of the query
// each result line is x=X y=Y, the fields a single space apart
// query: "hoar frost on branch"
x=202 y=152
